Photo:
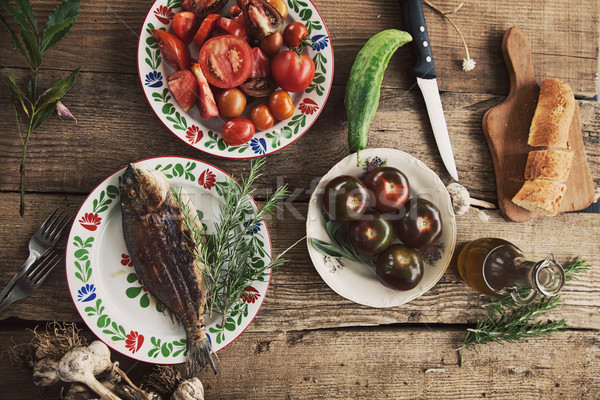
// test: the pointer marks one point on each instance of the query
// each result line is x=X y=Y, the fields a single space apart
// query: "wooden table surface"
x=307 y=342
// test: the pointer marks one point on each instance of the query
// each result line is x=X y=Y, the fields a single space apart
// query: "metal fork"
x=32 y=279
x=42 y=241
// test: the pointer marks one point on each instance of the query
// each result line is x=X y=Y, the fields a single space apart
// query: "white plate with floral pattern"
x=205 y=134
x=106 y=290
x=357 y=282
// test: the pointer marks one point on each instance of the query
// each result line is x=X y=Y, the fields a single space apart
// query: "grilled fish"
x=159 y=246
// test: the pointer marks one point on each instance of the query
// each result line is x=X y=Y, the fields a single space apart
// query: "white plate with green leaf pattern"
x=106 y=290
x=205 y=134
x=357 y=282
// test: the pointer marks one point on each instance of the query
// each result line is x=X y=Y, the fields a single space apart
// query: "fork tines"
x=45 y=265
x=54 y=225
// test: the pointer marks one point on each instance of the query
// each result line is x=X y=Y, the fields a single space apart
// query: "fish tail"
x=199 y=356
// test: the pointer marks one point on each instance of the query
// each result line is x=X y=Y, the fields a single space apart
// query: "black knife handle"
x=414 y=23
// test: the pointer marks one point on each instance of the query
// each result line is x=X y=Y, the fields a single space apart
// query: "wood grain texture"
x=563 y=34
x=371 y=363
x=299 y=299
x=506 y=128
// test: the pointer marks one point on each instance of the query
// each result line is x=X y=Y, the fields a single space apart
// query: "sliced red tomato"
x=231 y=27
x=175 y=51
x=261 y=66
x=262 y=18
x=185 y=25
x=258 y=87
x=203 y=7
x=292 y=71
x=184 y=87
x=206 y=29
x=226 y=61
x=238 y=131
x=206 y=99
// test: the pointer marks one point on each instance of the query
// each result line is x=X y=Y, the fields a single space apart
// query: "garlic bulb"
x=190 y=389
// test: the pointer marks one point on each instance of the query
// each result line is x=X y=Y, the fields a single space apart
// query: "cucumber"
x=364 y=84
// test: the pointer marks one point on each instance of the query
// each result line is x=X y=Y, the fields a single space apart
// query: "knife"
x=414 y=22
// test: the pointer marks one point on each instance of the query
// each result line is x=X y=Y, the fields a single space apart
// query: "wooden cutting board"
x=506 y=128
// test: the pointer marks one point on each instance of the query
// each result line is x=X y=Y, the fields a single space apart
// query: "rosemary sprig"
x=339 y=248
x=232 y=255
x=32 y=105
x=505 y=321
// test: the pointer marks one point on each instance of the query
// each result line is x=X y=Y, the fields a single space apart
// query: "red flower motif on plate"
x=90 y=221
x=194 y=134
x=308 y=107
x=207 y=179
x=250 y=295
x=134 y=341
x=126 y=260
x=164 y=14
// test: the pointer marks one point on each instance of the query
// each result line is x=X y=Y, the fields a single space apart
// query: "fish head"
x=143 y=190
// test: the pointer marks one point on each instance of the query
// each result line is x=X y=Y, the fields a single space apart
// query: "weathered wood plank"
x=564 y=37
x=367 y=363
x=74 y=158
x=299 y=299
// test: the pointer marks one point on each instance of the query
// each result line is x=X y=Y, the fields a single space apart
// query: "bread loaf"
x=541 y=196
x=553 y=115
x=550 y=164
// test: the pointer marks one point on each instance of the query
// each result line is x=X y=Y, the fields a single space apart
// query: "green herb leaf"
x=56 y=92
x=16 y=13
x=16 y=42
x=33 y=48
x=28 y=14
x=16 y=91
x=59 y=24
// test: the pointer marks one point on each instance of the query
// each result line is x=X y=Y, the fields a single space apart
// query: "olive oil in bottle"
x=497 y=268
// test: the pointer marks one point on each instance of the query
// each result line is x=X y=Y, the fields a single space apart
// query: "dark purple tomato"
x=390 y=188
x=421 y=225
x=371 y=234
x=345 y=198
x=399 y=267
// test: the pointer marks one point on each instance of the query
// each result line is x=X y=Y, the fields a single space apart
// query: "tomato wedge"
x=185 y=24
x=184 y=87
x=206 y=29
x=261 y=66
x=206 y=99
x=226 y=61
x=231 y=27
x=175 y=51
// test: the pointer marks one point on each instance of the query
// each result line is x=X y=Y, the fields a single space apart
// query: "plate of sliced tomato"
x=236 y=79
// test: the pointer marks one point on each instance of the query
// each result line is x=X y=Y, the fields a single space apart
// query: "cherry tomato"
x=399 y=267
x=231 y=27
x=280 y=104
x=345 y=198
x=175 y=51
x=294 y=34
x=231 y=103
x=259 y=87
x=226 y=61
x=206 y=100
x=184 y=87
x=261 y=117
x=271 y=44
x=206 y=29
x=261 y=66
x=390 y=188
x=185 y=25
x=371 y=234
x=238 y=131
x=421 y=225
x=281 y=6
x=292 y=72
x=234 y=11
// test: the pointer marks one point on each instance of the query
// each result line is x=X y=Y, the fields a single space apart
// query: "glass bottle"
x=497 y=268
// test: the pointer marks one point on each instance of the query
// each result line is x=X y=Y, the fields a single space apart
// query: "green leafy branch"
x=32 y=42
x=505 y=321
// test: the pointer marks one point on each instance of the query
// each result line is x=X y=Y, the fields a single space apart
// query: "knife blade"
x=424 y=70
